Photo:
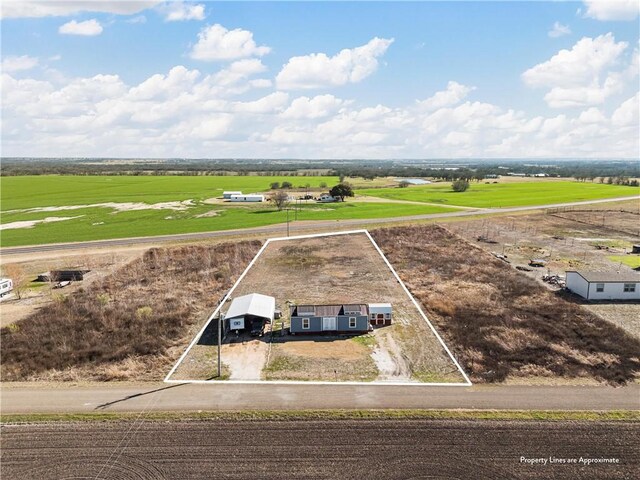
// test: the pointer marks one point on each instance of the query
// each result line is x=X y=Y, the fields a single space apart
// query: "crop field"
x=54 y=209
x=327 y=270
x=319 y=449
x=512 y=194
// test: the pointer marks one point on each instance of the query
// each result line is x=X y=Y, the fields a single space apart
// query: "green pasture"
x=57 y=190
x=103 y=223
x=511 y=194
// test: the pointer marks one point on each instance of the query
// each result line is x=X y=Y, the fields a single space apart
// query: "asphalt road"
x=263 y=396
x=314 y=449
x=280 y=229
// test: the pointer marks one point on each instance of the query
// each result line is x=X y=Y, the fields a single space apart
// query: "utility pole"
x=220 y=319
x=287 y=221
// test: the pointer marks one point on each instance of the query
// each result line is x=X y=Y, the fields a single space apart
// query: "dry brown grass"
x=130 y=325
x=499 y=323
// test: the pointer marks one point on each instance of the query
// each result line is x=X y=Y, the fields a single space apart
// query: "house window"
x=629 y=287
x=373 y=316
x=387 y=316
x=305 y=323
x=599 y=287
x=352 y=322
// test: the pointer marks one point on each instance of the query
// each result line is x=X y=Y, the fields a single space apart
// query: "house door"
x=380 y=319
x=329 y=323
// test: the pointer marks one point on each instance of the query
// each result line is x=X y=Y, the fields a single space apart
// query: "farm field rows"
x=330 y=449
x=512 y=194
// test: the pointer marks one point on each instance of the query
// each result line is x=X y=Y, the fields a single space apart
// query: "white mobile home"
x=227 y=195
x=6 y=285
x=247 y=198
x=604 y=285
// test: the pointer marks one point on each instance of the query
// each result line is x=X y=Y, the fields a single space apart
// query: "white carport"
x=245 y=309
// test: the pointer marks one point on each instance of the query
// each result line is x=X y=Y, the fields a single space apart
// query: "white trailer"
x=247 y=198
x=604 y=285
x=6 y=285
x=227 y=195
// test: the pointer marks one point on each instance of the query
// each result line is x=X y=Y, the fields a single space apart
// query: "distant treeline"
x=610 y=171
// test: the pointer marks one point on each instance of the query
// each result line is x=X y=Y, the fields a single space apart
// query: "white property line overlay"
x=167 y=379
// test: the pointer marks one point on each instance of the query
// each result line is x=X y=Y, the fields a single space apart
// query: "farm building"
x=6 y=285
x=380 y=313
x=329 y=318
x=250 y=312
x=227 y=195
x=326 y=198
x=252 y=197
x=604 y=285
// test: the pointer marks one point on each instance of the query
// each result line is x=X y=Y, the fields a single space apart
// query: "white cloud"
x=318 y=70
x=317 y=107
x=184 y=112
x=138 y=19
x=45 y=8
x=15 y=64
x=181 y=11
x=217 y=43
x=453 y=95
x=586 y=75
x=612 y=9
x=559 y=30
x=87 y=28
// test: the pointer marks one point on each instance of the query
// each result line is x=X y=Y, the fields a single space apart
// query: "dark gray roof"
x=327 y=310
x=602 y=277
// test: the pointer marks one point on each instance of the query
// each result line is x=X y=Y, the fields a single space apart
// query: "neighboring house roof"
x=327 y=310
x=253 y=304
x=607 y=277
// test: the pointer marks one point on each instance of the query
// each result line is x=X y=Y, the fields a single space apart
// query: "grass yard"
x=632 y=261
x=483 y=195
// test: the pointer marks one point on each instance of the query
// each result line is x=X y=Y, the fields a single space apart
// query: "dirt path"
x=391 y=363
x=245 y=360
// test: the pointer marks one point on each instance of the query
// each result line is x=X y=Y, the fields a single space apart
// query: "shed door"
x=329 y=323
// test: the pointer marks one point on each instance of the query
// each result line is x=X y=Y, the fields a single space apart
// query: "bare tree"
x=280 y=199
x=15 y=272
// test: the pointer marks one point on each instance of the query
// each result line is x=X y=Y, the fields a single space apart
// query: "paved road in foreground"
x=319 y=449
x=263 y=396
x=280 y=229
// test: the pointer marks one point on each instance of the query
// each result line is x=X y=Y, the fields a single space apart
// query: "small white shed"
x=248 y=308
x=604 y=285
x=227 y=195
x=380 y=314
x=6 y=285
x=252 y=197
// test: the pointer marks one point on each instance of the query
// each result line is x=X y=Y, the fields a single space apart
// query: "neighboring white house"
x=251 y=197
x=604 y=285
x=6 y=285
x=227 y=195
x=380 y=313
x=249 y=308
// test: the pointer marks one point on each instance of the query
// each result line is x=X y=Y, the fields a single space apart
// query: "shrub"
x=460 y=185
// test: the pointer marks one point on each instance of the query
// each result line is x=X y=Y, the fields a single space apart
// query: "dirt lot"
x=571 y=238
x=504 y=326
x=336 y=269
x=339 y=449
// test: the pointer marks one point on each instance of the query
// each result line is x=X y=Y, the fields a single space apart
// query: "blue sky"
x=505 y=87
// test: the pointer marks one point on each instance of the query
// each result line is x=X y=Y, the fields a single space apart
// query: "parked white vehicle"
x=6 y=285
